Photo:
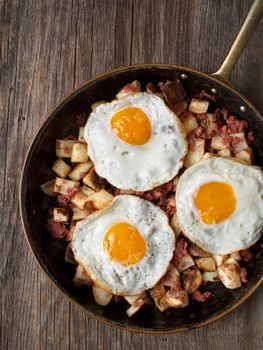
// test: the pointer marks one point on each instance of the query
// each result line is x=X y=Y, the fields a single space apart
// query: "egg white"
x=150 y=221
x=136 y=167
x=244 y=226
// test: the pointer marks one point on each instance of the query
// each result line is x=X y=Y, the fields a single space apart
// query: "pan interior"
x=34 y=205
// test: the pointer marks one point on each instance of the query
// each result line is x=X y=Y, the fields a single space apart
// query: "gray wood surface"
x=49 y=48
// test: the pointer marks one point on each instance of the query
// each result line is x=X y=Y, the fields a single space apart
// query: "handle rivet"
x=213 y=91
x=184 y=76
x=242 y=108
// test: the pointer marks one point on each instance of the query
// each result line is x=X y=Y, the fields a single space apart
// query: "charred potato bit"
x=61 y=168
x=48 y=188
x=177 y=299
x=192 y=280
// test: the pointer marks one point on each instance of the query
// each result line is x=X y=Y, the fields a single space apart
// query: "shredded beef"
x=181 y=249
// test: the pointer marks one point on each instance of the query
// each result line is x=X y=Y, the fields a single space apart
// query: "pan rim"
x=26 y=229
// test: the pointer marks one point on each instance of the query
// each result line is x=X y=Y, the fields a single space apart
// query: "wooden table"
x=49 y=48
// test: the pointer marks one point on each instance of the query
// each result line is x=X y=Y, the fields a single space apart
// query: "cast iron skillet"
x=33 y=204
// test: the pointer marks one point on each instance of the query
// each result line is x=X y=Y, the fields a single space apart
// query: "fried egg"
x=136 y=142
x=126 y=247
x=220 y=204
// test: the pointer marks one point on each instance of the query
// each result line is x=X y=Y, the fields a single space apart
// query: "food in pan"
x=91 y=211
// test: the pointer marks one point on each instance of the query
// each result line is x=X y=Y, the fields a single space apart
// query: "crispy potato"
x=80 y=199
x=175 y=225
x=81 y=134
x=242 y=144
x=197 y=251
x=127 y=192
x=184 y=263
x=133 y=298
x=89 y=180
x=97 y=104
x=81 y=277
x=87 y=191
x=206 y=264
x=217 y=143
x=135 y=307
x=245 y=155
x=220 y=259
x=177 y=299
x=79 y=171
x=209 y=125
x=171 y=278
x=224 y=152
x=99 y=199
x=229 y=276
x=236 y=256
x=210 y=277
x=80 y=214
x=61 y=214
x=196 y=153
x=101 y=297
x=190 y=123
x=61 y=168
x=63 y=186
x=232 y=261
x=158 y=294
x=79 y=153
x=161 y=303
x=48 y=188
x=198 y=106
x=192 y=280
x=129 y=89
x=64 y=148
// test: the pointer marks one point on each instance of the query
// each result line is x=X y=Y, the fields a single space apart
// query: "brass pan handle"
x=248 y=27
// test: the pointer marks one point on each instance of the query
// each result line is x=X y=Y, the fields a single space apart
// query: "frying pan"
x=33 y=204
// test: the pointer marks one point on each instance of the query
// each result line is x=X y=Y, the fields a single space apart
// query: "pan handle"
x=248 y=27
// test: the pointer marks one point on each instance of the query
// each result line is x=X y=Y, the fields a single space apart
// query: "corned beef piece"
x=201 y=297
x=56 y=229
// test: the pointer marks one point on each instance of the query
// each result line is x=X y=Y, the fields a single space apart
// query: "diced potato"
x=79 y=171
x=79 y=153
x=206 y=264
x=190 y=123
x=231 y=261
x=177 y=299
x=209 y=125
x=61 y=168
x=87 y=191
x=229 y=275
x=100 y=199
x=207 y=155
x=133 y=298
x=80 y=214
x=127 y=192
x=197 y=251
x=184 y=263
x=63 y=186
x=224 y=152
x=161 y=303
x=101 y=297
x=135 y=307
x=175 y=225
x=217 y=143
x=81 y=277
x=236 y=256
x=245 y=155
x=158 y=294
x=71 y=231
x=79 y=199
x=198 y=106
x=89 y=180
x=81 y=134
x=192 y=280
x=48 y=188
x=171 y=278
x=97 y=104
x=129 y=89
x=220 y=259
x=196 y=153
x=210 y=277
x=242 y=144
x=60 y=214
x=64 y=148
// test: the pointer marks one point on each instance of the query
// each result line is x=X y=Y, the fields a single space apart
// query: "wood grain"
x=49 y=48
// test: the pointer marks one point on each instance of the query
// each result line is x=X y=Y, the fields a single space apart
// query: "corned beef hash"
x=157 y=197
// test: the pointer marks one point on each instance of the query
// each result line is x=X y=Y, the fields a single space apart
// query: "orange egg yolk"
x=124 y=244
x=215 y=201
x=132 y=126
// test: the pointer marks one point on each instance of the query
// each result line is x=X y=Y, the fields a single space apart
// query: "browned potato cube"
x=80 y=214
x=79 y=153
x=220 y=259
x=217 y=143
x=231 y=261
x=97 y=104
x=87 y=191
x=79 y=199
x=206 y=264
x=48 y=188
x=196 y=153
x=89 y=180
x=229 y=275
x=224 y=152
x=171 y=278
x=129 y=89
x=175 y=225
x=79 y=171
x=71 y=231
x=64 y=186
x=61 y=168
x=81 y=277
x=184 y=263
x=245 y=155
x=100 y=199
x=236 y=256
x=133 y=298
x=101 y=297
x=177 y=299
x=192 y=280
x=198 y=106
x=190 y=123
x=210 y=277
x=64 y=148
x=81 y=134
x=60 y=214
